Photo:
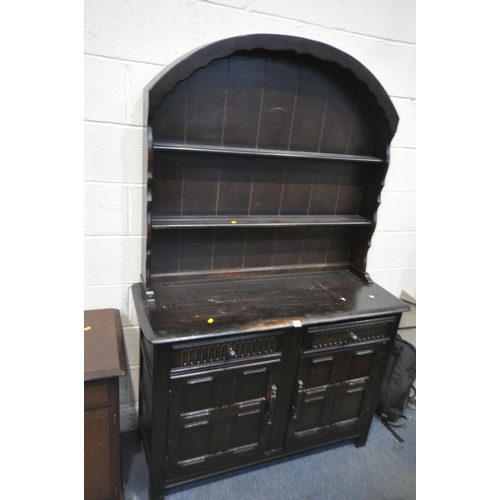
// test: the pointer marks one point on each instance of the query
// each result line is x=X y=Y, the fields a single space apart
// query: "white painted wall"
x=128 y=42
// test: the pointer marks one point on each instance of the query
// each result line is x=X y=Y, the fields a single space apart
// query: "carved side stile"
x=377 y=204
x=149 y=199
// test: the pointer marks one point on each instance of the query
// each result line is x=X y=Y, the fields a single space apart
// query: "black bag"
x=397 y=385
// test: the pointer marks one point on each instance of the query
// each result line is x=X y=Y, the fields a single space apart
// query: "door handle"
x=273 y=394
x=298 y=399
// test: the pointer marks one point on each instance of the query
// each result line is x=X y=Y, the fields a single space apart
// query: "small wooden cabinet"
x=104 y=364
x=262 y=334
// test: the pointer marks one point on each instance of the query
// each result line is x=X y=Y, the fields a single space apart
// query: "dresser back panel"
x=273 y=100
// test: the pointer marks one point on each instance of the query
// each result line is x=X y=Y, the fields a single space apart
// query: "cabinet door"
x=334 y=393
x=101 y=462
x=220 y=416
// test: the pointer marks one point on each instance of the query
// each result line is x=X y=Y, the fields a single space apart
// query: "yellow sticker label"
x=210 y=320
x=87 y=328
x=234 y=222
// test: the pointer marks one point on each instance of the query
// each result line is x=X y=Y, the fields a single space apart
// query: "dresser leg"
x=361 y=441
x=156 y=490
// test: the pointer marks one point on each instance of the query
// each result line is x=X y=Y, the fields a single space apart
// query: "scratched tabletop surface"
x=217 y=307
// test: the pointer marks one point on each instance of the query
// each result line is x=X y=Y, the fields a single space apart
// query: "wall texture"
x=128 y=42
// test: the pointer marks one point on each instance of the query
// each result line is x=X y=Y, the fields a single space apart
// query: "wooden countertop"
x=104 y=352
x=209 y=308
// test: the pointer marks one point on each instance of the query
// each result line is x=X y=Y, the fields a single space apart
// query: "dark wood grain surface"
x=184 y=310
x=104 y=363
x=270 y=100
x=262 y=334
x=320 y=52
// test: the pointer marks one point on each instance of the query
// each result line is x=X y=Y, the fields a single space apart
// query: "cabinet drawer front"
x=229 y=349
x=98 y=394
x=356 y=332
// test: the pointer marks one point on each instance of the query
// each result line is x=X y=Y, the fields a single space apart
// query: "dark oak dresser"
x=262 y=335
x=104 y=363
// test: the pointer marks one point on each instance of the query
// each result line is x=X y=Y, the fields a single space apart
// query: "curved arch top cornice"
x=201 y=57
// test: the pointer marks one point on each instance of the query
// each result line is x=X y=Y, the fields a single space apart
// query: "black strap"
x=393 y=432
x=400 y=424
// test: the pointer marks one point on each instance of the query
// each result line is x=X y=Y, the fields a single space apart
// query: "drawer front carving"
x=213 y=352
x=350 y=333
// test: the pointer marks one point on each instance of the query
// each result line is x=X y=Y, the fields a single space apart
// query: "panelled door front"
x=333 y=392
x=221 y=415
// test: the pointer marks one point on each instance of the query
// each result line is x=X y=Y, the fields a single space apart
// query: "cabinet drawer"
x=228 y=349
x=98 y=394
x=355 y=332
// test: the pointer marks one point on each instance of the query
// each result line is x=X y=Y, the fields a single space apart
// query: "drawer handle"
x=273 y=394
x=298 y=399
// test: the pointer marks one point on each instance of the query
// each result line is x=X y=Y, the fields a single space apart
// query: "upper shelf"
x=265 y=152
x=161 y=222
